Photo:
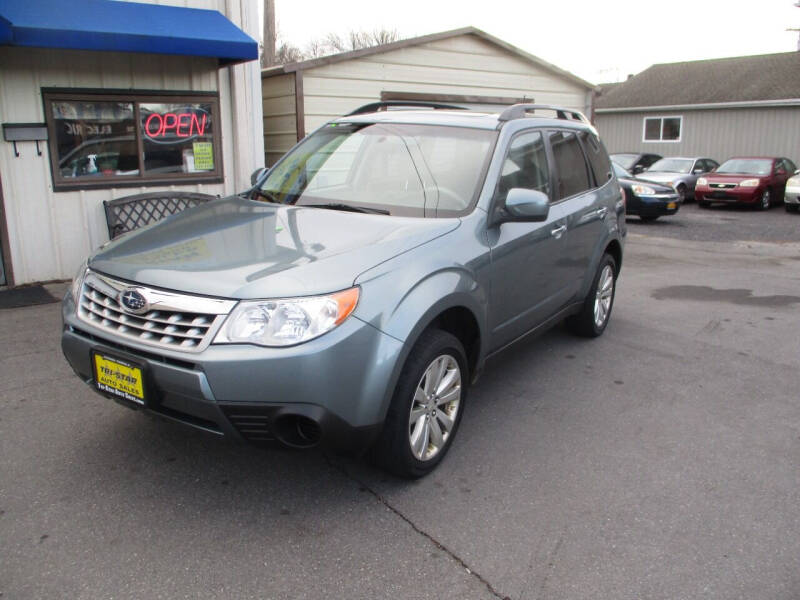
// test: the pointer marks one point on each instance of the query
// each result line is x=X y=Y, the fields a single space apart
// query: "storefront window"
x=108 y=140
x=95 y=139
x=178 y=138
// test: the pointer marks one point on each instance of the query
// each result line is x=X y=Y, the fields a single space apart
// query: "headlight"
x=702 y=181
x=286 y=321
x=643 y=190
x=750 y=183
x=77 y=281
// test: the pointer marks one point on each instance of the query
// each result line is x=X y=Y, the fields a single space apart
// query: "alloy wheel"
x=437 y=399
x=603 y=296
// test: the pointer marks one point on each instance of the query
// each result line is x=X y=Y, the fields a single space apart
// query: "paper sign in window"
x=203 y=156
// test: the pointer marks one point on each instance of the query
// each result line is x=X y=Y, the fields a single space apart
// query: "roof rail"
x=520 y=111
x=379 y=106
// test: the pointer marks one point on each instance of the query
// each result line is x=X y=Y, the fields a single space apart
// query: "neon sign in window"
x=174 y=127
x=172 y=133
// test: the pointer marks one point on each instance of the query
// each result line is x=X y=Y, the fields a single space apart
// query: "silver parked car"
x=353 y=294
x=680 y=173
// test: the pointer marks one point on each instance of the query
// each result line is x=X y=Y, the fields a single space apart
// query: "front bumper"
x=792 y=195
x=340 y=381
x=657 y=205
x=736 y=195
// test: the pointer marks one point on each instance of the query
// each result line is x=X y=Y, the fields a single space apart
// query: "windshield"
x=672 y=165
x=620 y=172
x=626 y=160
x=409 y=170
x=746 y=166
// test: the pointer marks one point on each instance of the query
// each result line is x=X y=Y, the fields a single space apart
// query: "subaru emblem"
x=133 y=301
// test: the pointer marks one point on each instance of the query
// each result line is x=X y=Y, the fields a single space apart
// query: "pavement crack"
x=440 y=545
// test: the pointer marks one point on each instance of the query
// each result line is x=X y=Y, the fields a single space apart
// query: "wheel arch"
x=614 y=248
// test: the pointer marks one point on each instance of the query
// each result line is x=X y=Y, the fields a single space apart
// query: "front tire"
x=426 y=408
x=792 y=208
x=766 y=200
x=595 y=313
x=683 y=193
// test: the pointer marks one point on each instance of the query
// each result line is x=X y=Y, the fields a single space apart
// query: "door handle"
x=557 y=232
x=601 y=212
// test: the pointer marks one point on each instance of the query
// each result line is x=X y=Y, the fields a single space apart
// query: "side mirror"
x=524 y=205
x=257 y=175
x=698 y=171
x=797 y=172
x=638 y=169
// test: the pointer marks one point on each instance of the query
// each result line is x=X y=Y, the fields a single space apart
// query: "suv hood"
x=239 y=248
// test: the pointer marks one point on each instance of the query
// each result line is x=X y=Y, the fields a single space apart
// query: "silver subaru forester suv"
x=353 y=294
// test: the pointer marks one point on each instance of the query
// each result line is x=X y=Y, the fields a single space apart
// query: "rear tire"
x=792 y=208
x=426 y=408
x=595 y=313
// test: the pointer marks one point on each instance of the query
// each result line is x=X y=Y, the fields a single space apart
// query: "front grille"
x=722 y=186
x=721 y=196
x=175 y=321
x=252 y=422
x=182 y=364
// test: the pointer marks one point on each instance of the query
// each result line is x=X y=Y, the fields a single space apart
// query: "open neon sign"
x=176 y=127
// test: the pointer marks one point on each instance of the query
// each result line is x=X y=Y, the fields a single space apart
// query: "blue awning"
x=117 y=26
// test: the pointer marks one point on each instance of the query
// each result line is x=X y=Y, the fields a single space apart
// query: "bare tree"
x=333 y=43
x=288 y=53
x=379 y=37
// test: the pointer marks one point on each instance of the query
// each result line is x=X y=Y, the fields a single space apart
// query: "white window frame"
x=661 y=139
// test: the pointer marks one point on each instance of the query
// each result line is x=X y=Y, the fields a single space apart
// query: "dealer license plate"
x=119 y=378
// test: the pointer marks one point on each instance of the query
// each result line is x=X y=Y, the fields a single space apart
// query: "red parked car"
x=758 y=181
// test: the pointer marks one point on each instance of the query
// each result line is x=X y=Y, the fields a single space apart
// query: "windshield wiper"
x=350 y=208
x=267 y=195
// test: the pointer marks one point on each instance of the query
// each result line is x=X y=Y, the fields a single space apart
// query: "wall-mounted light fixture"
x=25 y=132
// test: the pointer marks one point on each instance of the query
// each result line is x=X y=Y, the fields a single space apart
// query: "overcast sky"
x=598 y=41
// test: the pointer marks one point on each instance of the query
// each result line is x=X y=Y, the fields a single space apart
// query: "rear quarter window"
x=598 y=158
x=573 y=175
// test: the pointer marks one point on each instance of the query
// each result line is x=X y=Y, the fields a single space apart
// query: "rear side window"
x=573 y=176
x=708 y=165
x=598 y=159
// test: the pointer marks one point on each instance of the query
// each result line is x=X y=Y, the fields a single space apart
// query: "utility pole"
x=268 y=58
x=797 y=4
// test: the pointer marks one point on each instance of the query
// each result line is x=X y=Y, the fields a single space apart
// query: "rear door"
x=529 y=278
x=782 y=172
x=583 y=199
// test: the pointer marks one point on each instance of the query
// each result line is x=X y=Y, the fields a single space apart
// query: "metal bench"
x=131 y=212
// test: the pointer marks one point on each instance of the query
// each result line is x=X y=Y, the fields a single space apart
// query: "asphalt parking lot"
x=661 y=460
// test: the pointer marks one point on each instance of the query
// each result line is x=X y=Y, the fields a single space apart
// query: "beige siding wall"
x=50 y=233
x=280 y=116
x=718 y=134
x=465 y=65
